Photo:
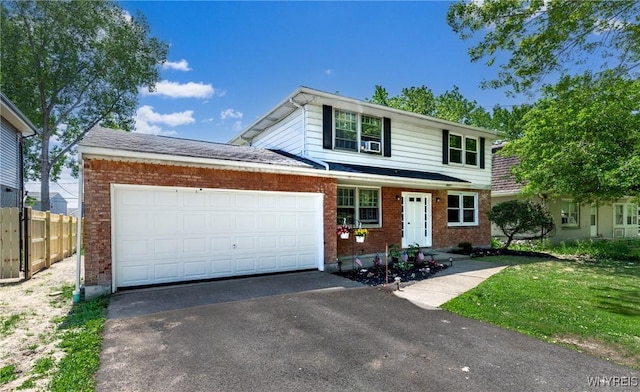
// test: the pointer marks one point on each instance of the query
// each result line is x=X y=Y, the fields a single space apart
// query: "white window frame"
x=461 y=209
x=630 y=217
x=356 y=206
x=567 y=218
x=464 y=150
x=360 y=143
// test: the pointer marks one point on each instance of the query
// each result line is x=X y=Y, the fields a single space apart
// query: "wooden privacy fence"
x=45 y=239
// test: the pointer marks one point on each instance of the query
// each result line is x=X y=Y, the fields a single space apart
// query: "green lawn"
x=593 y=306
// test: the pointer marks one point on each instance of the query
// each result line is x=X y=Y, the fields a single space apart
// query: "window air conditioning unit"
x=618 y=233
x=371 y=147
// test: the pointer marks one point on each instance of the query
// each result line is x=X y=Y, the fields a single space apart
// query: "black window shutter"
x=386 y=130
x=445 y=147
x=481 y=153
x=327 y=127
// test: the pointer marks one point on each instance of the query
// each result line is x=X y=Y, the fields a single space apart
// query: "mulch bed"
x=375 y=276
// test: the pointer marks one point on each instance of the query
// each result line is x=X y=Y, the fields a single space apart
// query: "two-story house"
x=162 y=209
x=57 y=203
x=14 y=126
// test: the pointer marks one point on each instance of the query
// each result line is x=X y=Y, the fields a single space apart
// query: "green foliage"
x=395 y=251
x=543 y=38
x=8 y=324
x=622 y=249
x=453 y=106
x=82 y=342
x=43 y=365
x=71 y=65
x=517 y=217
x=561 y=300
x=582 y=139
x=495 y=243
x=7 y=373
x=467 y=247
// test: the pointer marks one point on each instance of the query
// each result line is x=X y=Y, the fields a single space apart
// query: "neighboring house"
x=57 y=203
x=161 y=209
x=14 y=126
x=573 y=221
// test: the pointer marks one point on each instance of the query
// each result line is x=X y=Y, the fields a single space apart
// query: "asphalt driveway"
x=331 y=337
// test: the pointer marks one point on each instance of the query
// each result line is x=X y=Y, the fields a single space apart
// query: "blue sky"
x=230 y=62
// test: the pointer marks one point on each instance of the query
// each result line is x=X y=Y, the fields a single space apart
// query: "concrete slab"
x=449 y=283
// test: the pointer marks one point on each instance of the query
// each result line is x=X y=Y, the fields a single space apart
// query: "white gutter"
x=305 y=151
x=76 y=292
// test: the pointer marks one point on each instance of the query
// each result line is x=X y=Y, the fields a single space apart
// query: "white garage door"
x=166 y=234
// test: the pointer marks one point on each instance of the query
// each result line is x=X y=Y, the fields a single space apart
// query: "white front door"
x=416 y=219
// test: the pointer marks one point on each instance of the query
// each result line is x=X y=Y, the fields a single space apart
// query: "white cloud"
x=328 y=72
x=147 y=114
x=208 y=120
x=181 y=65
x=237 y=126
x=179 y=90
x=147 y=120
x=230 y=113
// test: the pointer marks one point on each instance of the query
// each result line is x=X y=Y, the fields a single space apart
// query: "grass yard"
x=593 y=306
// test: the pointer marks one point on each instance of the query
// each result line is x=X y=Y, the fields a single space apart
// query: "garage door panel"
x=135 y=248
x=176 y=234
x=166 y=246
x=307 y=260
x=245 y=265
x=221 y=266
x=166 y=198
x=194 y=245
x=195 y=269
x=268 y=263
x=195 y=223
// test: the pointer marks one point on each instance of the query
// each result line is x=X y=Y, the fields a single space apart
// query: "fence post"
x=47 y=239
x=28 y=244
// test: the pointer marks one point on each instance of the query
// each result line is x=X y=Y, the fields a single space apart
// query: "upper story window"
x=462 y=209
x=353 y=130
x=570 y=213
x=463 y=150
x=358 y=205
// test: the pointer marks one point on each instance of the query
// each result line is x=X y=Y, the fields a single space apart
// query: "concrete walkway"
x=464 y=275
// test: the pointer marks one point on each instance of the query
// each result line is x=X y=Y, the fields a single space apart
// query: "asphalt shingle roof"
x=138 y=142
x=383 y=171
x=502 y=181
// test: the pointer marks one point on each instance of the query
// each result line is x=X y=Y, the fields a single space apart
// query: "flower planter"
x=344 y=236
x=359 y=238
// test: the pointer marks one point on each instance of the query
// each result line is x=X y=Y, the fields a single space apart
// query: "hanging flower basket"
x=360 y=234
x=343 y=231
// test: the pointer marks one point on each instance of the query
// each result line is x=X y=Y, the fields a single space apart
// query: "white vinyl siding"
x=287 y=135
x=415 y=145
x=10 y=156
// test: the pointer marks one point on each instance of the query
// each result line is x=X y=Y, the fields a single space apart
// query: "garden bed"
x=376 y=275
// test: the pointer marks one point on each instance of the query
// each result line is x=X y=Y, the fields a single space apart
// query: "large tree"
x=534 y=41
x=71 y=65
x=583 y=58
x=582 y=139
x=453 y=106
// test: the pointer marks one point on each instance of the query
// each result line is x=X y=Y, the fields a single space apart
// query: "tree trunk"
x=45 y=172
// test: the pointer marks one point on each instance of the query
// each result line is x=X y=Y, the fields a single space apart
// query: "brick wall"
x=443 y=236
x=100 y=174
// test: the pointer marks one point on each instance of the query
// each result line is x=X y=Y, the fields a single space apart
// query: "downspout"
x=24 y=249
x=76 y=292
x=305 y=152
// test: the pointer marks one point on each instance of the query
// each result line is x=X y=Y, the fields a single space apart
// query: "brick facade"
x=443 y=236
x=99 y=174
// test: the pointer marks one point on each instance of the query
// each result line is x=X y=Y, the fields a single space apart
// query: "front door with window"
x=594 y=221
x=416 y=219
